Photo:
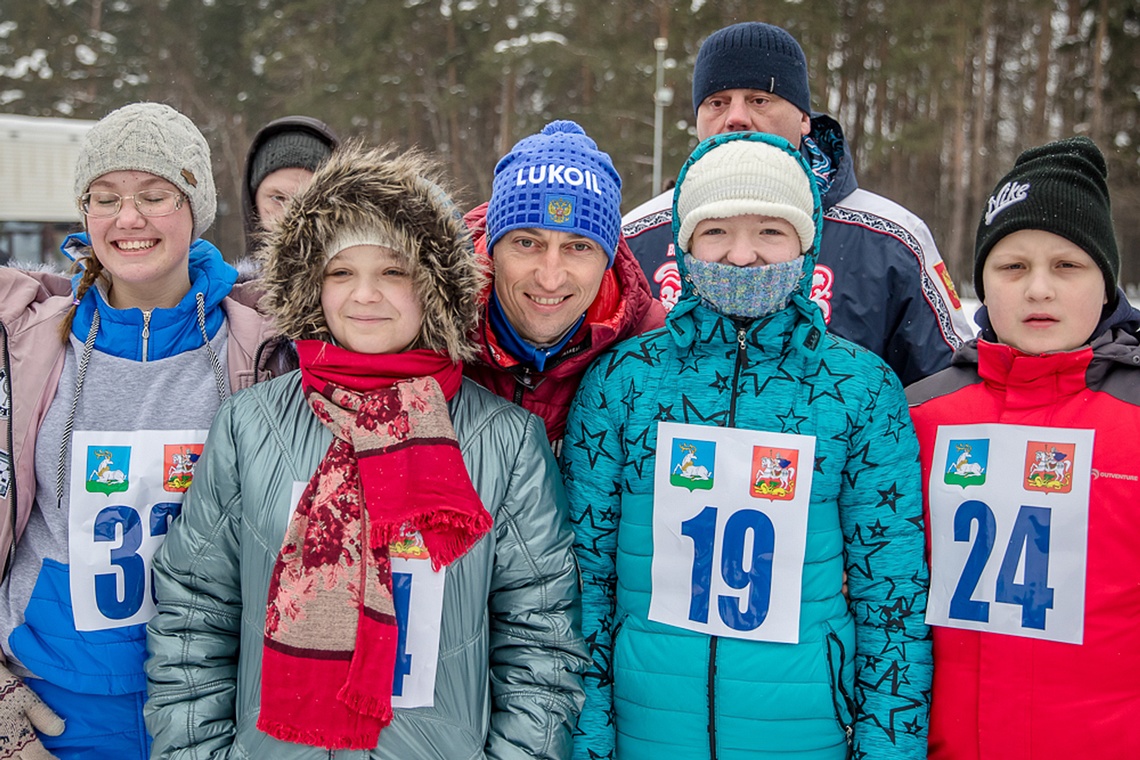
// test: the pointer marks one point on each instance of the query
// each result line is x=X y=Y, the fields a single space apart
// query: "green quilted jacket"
x=510 y=654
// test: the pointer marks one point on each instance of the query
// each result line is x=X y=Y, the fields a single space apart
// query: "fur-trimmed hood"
x=355 y=188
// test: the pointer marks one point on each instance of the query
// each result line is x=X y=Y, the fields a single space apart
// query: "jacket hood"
x=308 y=124
x=828 y=137
x=353 y=189
x=680 y=320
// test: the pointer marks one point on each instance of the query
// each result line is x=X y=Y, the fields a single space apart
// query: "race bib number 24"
x=1009 y=513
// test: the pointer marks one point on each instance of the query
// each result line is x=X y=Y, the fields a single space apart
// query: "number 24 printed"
x=1030 y=536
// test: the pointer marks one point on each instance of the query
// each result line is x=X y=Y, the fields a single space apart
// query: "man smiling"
x=565 y=284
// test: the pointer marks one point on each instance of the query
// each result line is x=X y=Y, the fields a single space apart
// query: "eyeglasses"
x=148 y=203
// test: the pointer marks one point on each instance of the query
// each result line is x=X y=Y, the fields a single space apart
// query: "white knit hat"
x=745 y=177
x=152 y=138
x=381 y=234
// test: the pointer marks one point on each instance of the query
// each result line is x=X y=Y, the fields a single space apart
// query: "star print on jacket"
x=862 y=665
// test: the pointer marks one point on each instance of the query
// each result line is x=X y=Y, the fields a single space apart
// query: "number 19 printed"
x=729 y=530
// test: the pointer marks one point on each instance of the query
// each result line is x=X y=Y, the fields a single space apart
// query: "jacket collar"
x=1044 y=376
x=829 y=139
x=770 y=336
x=170 y=331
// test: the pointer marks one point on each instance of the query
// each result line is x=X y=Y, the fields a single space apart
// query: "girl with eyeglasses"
x=110 y=382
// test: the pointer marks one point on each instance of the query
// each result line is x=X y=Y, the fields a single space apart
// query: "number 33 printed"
x=125 y=556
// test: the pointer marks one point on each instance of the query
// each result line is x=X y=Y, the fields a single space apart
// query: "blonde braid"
x=92 y=271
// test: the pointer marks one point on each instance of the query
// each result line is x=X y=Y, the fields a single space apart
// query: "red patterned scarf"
x=393 y=465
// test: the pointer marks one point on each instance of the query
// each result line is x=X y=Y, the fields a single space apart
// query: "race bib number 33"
x=125 y=489
x=1009 y=514
x=730 y=511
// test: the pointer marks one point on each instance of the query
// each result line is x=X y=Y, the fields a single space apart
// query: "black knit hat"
x=755 y=56
x=285 y=150
x=1060 y=188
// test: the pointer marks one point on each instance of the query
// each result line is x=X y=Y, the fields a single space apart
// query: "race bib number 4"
x=1009 y=514
x=730 y=511
x=417 y=594
x=125 y=489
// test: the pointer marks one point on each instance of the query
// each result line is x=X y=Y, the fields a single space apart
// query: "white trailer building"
x=37 y=201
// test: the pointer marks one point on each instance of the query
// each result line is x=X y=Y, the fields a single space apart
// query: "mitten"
x=22 y=713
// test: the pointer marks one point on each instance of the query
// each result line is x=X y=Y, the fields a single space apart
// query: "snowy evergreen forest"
x=937 y=98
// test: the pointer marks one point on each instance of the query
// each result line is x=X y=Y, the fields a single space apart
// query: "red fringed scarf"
x=394 y=465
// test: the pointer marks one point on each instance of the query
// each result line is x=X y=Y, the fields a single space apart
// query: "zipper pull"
x=741 y=336
x=146 y=333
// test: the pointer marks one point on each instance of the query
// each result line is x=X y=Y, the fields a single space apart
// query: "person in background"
x=281 y=161
x=565 y=286
x=376 y=554
x=1030 y=474
x=879 y=280
x=722 y=474
x=113 y=380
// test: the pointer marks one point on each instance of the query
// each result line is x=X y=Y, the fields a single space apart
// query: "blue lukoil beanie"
x=755 y=56
x=557 y=180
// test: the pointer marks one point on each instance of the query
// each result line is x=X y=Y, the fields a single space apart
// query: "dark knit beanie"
x=754 y=56
x=1060 y=188
x=557 y=180
x=287 y=150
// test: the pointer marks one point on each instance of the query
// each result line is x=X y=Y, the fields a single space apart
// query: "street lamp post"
x=662 y=97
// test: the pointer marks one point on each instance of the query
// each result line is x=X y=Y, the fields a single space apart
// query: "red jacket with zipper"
x=1016 y=698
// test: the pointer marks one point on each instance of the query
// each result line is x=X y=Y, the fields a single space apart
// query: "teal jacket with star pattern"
x=857 y=683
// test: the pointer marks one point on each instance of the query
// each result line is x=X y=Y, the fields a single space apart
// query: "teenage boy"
x=1031 y=476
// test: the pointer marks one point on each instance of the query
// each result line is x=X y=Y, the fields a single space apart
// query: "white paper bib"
x=730 y=510
x=417 y=592
x=1009 y=516
x=125 y=489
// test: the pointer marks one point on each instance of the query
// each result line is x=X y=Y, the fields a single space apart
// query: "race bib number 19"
x=125 y=489
x=1009 y=515
x=730 y=511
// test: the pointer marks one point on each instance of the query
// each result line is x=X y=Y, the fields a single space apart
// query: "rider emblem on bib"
x=966 y=462
x=728 y=545
x=409 y=545
x=774 y=473
x=1049 y=467
x=692 y=464
x=178 y=462
x=108 y=469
